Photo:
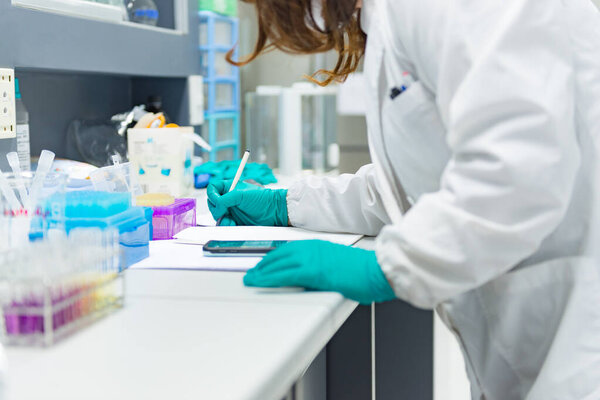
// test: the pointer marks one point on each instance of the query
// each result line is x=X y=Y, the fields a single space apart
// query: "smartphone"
x=241 y=247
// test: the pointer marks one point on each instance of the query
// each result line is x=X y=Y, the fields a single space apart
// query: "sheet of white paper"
x=169 y=254
x=205 y=219
x=203 y=215
x=201 y=235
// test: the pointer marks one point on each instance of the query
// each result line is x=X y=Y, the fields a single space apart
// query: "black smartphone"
x=241 y=247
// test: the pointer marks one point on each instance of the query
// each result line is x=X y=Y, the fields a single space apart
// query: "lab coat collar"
x=366 y=15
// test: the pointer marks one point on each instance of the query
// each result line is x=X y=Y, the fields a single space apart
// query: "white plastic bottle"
x=22 y=117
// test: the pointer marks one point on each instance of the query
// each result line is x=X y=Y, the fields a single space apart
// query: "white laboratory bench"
x=185 y=335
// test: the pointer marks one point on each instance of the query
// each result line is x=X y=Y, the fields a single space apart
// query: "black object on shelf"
x=154 y=105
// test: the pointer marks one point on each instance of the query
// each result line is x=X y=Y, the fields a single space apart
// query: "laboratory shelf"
x=217 y=48
x=75 y=44
x=216 y=133
x=224 y=109
x=222 y=84
x=205 y=15
x=225 y=145
x=222 y=79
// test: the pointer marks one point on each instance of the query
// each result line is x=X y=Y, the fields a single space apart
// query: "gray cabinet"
x=77 y=68
x=42 y=40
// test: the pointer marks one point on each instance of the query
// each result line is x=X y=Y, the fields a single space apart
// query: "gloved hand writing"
x=325 y=266
x=247 y=204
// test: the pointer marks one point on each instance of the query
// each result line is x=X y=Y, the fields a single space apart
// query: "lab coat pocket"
x=414 y=138
x=547 y=315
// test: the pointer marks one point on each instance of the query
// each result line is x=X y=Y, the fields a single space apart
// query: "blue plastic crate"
x=222 y=95
x=215 y=134
x=212 y=46
x=222 y=85
x=211 y=19
x=103 y=210
x=134 y=232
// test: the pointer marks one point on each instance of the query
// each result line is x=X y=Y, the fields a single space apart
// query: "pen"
x=237 y=177
x=408 y=80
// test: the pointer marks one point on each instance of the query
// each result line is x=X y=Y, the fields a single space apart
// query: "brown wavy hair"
x=290 y=26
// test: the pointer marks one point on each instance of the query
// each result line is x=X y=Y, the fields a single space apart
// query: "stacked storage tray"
x=218 y=35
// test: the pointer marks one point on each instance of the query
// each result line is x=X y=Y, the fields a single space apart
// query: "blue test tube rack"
x=215 y=110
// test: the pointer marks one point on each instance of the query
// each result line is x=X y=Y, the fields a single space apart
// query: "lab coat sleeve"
x=347 y=203
x=505 y=92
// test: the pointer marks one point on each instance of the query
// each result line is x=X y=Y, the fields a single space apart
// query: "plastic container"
x=223 y=135
x=116 y=178
x=225 y=154
x=83 y=204
x=299 y=121
x=224 y=97
x=221 y=67
x=30 y=223
x=133 y=228
x=167 y=221
x=111 y=212
x=222 y=31
x=262 y=124
x=143 y=12
x=52 y=288
x=161 y=159
x=23 y=149
x=148 y=214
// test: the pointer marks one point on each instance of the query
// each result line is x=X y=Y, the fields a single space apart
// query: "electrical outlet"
x=8 y=125
x=196 y=99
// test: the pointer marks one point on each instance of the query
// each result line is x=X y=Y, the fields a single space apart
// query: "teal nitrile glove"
x=247 y=204
x=325 y=266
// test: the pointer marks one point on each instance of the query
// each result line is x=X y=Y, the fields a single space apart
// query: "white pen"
x=237 y=177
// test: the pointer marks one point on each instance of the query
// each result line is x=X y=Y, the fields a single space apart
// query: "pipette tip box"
x=104 y=210
x=134 y=232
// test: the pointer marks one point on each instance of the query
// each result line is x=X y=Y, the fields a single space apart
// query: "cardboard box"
x=162 y=159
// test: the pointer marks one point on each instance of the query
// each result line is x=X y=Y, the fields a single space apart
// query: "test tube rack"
x=47 y=292
x=217 y=109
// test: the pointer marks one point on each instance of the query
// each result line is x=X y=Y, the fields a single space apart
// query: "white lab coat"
x=480 y=190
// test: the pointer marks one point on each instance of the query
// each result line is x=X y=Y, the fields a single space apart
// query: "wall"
x=274 y=68
x=55 y=99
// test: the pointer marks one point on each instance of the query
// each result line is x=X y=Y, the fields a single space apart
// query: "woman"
x=480 y=117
